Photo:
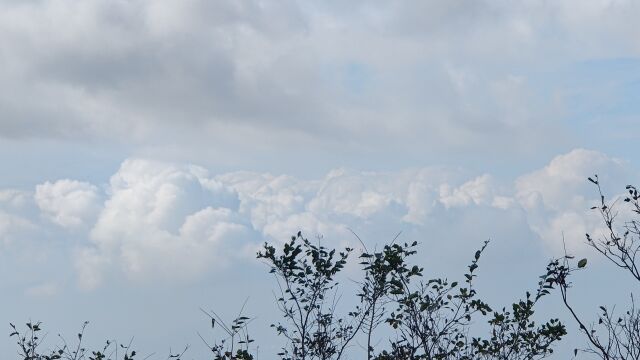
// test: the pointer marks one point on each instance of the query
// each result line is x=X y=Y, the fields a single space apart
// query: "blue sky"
x=150 y=147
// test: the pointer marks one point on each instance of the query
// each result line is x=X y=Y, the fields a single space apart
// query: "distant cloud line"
x=173 y=221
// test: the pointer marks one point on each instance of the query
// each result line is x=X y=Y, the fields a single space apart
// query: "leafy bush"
x=432 y=319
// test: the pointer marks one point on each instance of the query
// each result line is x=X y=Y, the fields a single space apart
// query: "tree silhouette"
x=428 y=319
x=432 y=319
x=611 y=336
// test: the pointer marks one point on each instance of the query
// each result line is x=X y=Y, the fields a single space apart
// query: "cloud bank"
x=157 y=220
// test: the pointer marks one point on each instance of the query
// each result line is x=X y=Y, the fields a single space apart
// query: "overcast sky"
x=149 y=147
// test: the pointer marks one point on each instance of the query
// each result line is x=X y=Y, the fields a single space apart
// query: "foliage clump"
x=431 y=319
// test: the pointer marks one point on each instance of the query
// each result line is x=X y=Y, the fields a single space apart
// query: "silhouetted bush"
x=430 y=319
x=611 y=336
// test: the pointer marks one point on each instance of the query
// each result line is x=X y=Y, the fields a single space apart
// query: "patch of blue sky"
x=602 y=103
x=34 y=161
x=598 y=89
x=597 y=99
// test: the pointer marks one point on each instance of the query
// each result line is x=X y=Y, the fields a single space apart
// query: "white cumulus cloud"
x=558 y=196
x=69 y=203
x=161 y=221
x=170 y=221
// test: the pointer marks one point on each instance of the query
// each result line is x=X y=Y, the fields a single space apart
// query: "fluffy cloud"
x=477 y=191
x=68 y=203
x=174 y=221
x=177 y=222
x=557 y=196
x=560 y=184
x=161 y=221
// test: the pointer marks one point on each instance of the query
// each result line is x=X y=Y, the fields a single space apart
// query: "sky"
x=149 y=148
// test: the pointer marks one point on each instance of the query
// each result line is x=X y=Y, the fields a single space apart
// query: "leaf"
x=582 y=263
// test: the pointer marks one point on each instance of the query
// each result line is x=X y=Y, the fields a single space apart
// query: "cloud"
x=69 y=203
x=557 y=197
x=197 y=74
x=14 y=228
x=161 y=221
x=557 y=182
x=477 y=191
x=17 y=216
x=170 y=221
x=176 y=222
x=345 y=200
x=14 y=199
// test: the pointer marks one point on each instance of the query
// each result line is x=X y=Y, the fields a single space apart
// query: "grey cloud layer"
x=221 y=74
x=158 y=220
